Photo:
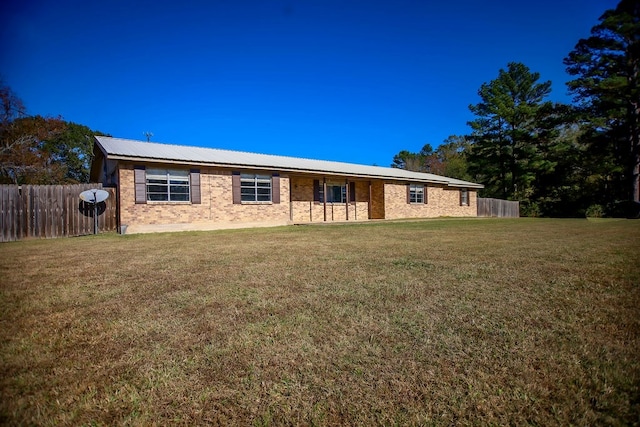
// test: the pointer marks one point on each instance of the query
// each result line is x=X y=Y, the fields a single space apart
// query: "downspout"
x=118 y=201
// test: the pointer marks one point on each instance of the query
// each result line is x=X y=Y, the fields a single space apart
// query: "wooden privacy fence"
x=48 y=211
x=498 y=208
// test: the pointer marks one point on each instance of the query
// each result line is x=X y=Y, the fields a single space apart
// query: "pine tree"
x=504 y=153
x=607 y=66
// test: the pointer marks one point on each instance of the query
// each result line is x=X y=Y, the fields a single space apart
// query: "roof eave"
x=273 y=168
x=466 y=185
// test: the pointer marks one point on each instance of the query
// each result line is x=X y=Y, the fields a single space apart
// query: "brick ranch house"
x=170 y=187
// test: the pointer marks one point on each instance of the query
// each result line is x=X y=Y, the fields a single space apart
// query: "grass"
x=466 y=322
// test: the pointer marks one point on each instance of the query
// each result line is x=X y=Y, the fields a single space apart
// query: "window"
x=416 y=193
x=336 y=193
x=464 y=197
x=167 y=185
x=255 y=188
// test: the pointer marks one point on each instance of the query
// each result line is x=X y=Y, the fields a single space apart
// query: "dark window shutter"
x=195 y=186
x=408 y=193
x=352 y=191
x=140 y=182
x=425 y=195
x=275 y=188
x=316 y=190
x=235 y=187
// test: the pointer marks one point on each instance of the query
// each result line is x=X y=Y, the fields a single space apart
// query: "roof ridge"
x=237 y=151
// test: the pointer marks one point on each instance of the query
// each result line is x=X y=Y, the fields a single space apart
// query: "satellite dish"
x=94 y=196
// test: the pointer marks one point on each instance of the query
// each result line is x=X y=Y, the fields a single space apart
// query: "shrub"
x=595 y=211
x=530 y=209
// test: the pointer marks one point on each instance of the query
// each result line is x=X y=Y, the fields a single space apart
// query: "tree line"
x=41 y=150
x=556 y=159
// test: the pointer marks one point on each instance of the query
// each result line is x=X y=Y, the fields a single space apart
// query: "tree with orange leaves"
x=40 y=150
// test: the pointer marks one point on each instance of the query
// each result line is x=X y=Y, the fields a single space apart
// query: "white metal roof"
x=127 y=149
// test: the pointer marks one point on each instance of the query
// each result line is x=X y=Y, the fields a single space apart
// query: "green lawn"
x=464 y=322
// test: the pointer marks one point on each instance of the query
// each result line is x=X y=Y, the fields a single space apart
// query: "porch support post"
x=290 y=199
x=324 y=199
x=370 y=203
x=347 y=200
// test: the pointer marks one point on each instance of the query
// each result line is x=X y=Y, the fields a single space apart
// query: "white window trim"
x=255 y=179
x=416 y=190
x=168 y=175
x=464 y=197
x=343 y=193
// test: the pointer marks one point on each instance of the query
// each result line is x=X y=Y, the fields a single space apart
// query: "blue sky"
x=353 y=81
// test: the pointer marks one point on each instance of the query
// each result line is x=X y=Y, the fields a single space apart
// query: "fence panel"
x=488 y=207
x=7 y=201
x=49 y=211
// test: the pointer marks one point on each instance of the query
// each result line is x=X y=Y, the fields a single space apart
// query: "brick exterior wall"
x=441 y=201
x=297 y=205
x=216 y=207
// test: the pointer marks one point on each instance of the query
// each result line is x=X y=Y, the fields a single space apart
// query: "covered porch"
x=331 y=198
